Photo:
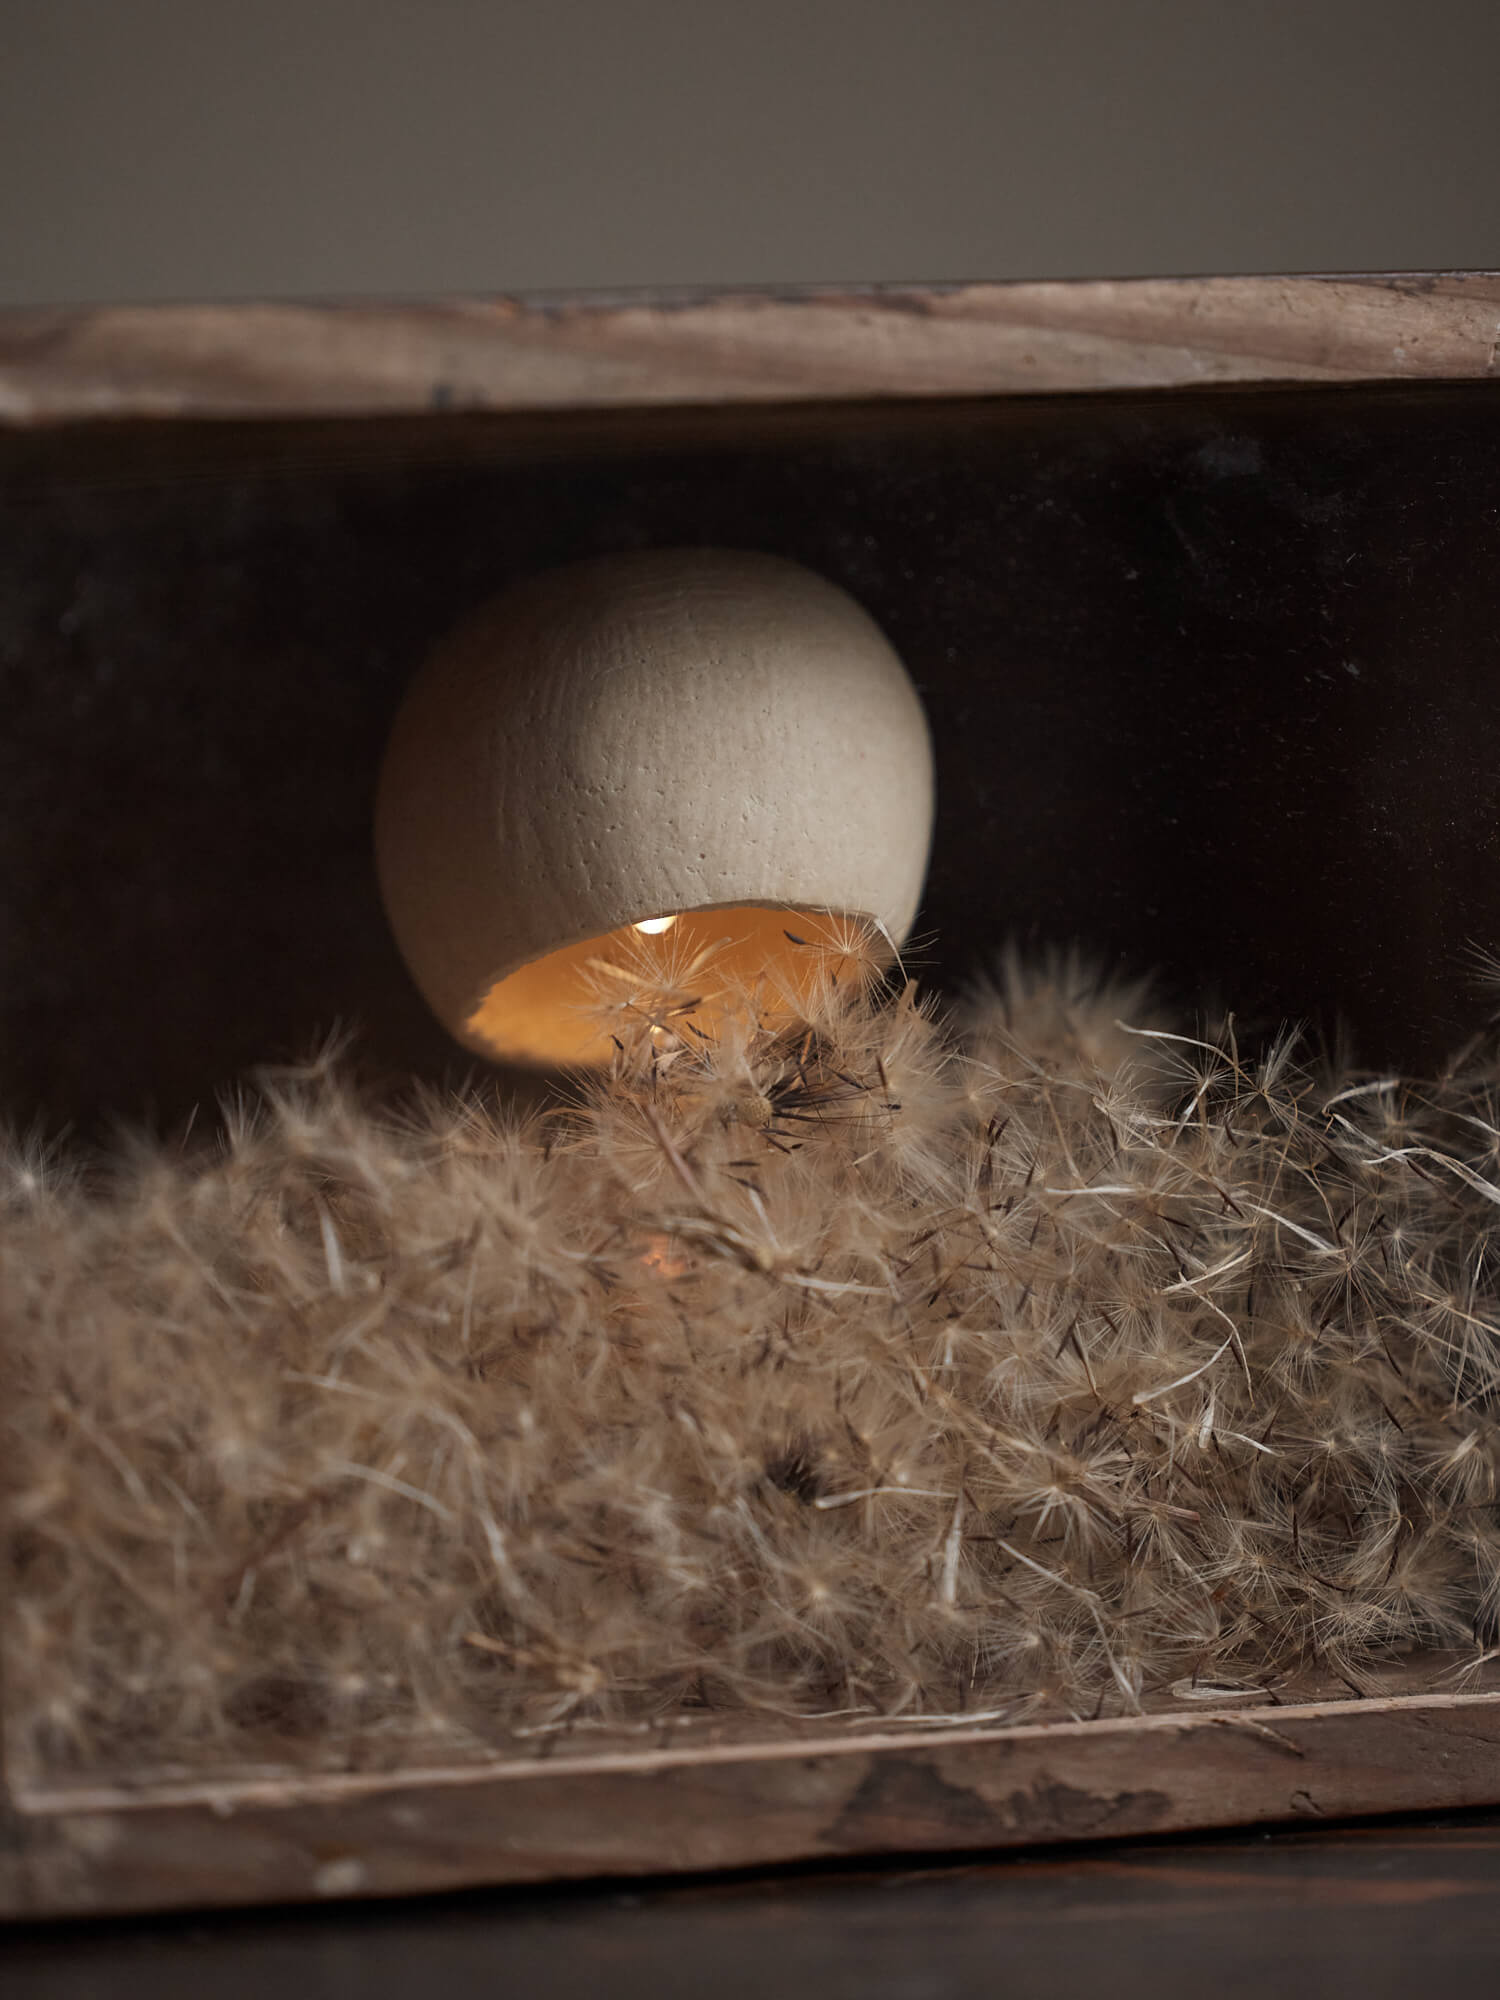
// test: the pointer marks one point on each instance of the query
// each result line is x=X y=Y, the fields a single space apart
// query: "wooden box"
x=1199 y=582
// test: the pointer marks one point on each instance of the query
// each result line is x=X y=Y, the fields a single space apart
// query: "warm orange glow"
x=562 y=1010
x=662 y=1257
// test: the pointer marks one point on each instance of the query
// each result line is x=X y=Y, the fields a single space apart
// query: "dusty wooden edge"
x=364 y=358
x=651 y=1810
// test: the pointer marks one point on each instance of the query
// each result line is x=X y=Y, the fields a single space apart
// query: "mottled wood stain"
x=597 y=1809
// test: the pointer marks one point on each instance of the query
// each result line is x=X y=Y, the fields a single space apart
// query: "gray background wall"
x=160 y=148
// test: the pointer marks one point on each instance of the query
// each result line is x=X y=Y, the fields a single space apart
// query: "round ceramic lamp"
x=701 y=738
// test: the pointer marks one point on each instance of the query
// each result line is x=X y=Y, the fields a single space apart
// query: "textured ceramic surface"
x=676 y=731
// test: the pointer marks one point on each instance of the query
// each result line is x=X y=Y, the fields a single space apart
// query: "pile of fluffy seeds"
x=1025 y=1363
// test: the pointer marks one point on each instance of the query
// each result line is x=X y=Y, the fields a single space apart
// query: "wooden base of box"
x=727 y=1796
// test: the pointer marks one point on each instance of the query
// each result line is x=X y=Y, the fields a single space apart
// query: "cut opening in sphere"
x=685 y=975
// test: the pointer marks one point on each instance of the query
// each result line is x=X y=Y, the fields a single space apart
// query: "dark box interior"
x=1212 y=679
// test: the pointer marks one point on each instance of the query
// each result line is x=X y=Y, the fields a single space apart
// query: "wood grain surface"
x=632 y=1808
x=266 y=359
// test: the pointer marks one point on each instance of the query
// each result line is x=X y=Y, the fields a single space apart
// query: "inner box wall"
x=1211 y=680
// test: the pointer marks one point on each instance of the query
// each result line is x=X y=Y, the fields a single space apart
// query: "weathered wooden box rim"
x=259 y=360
